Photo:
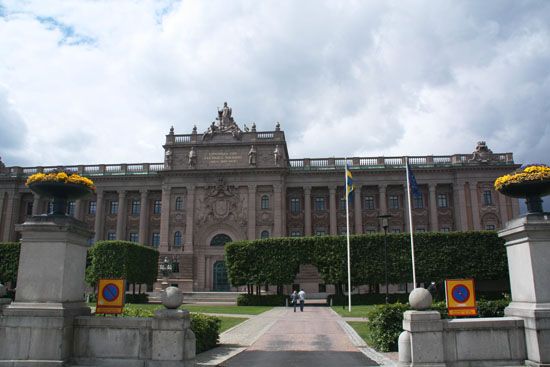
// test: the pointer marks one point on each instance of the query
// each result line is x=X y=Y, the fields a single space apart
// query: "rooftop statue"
x=225 y=124
x=482 y=153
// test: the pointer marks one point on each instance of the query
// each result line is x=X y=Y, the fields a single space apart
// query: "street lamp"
x=166 y=270
x=384 y=220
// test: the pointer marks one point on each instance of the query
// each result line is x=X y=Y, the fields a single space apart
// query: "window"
x=175 y=266
x=50 y=207
x=136 y=206
x=320 y=232
x=134 y=237
x=370 y=230
x=490 y=227
x=322 y=288
x=91 y=207
x=220 y=240
x=420 y=229
x=395 y=230
x=113 y=207
x=70 y=208
x=111 y=236
x=157 y=207
x=295 y=206
x=369 y=202
x=179 y=203
x=418 y=201
x=342 y=231
x=264 y=234
x=265 y=202
x=394 y=202
x=155 y=240
x=319 y=204
x=442 y=201
x=177 y=239
x=295 y=233
x=445 y=229
x=342 y=203
x=487 y=197
x=29 y=208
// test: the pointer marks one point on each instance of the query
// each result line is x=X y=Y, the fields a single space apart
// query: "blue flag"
x=412 y=181
x=349 y=183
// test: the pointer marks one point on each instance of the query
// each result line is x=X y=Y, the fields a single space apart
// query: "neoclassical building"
x=231 y=184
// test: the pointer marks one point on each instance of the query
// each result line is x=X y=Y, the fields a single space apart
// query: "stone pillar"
x=383 y=201
x=121 y=216
x=36 y=205
x=528 y=249
x=277 y=210
x=284 y=231
x=434 y=224
x=503 y=209
x=50 y=292
x=425 y=329
x=307 y=210
x=332 y=210
x=357 y=210
x=99 y=216
x=461 y=207
x=189 y=219
x=12 y=213
x=144 y=218
x=173 y=341
x=165 y=219
x=78 y=209
x=474 y=197
x=252 y=212
x=2 y=198
x=406 y=210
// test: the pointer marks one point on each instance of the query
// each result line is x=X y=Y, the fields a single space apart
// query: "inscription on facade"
x=223 y=158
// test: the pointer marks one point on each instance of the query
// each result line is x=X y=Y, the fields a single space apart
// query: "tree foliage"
x=9 y=261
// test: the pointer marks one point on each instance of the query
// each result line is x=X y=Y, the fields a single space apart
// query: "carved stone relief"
x=220 y=203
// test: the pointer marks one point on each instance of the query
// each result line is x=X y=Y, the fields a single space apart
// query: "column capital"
x=190 y=188
x=144 y=192
x=252 y=187
x=307 y=189
x=382 y=187
x=121 y=193
x=432 y=186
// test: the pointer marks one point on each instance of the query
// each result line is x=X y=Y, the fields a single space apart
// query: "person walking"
x=294 y=299
x=302 y=298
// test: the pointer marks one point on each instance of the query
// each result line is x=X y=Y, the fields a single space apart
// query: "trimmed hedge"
x=367 y=299
x=9 y=261
x=139 y=298
x=207 y=331
x=438 y=256
x=259 y=300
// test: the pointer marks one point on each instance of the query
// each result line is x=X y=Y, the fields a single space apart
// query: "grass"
x=223 y=309
x=360 y=328
x=356 y=311
x=229 y=322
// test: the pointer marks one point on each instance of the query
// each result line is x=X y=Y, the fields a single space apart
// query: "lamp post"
x=166 y=270
x=384 y=221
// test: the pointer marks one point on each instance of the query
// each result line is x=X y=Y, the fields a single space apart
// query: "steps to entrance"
x=211 y=297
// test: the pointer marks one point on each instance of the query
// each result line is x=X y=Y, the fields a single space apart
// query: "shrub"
x=9 y=261
x=492 y=308
x=136 y=298
x=384 y=326
x=207 y=331
x=259 y=300
x=367 y=299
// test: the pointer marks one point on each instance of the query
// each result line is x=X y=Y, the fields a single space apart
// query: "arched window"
x=265 y=202
x=177 y=239
x=220 y=240
x=264 y=234
x=179 y=203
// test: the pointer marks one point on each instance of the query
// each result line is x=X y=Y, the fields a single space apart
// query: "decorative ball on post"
x=172 y=298
x=420 y=299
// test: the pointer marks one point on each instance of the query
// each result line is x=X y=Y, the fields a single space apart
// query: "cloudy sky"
x=85 y=82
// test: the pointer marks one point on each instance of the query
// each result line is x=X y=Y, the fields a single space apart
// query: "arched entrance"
x=220 y=281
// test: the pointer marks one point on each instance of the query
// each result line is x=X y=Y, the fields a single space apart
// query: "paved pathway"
x=316 y=337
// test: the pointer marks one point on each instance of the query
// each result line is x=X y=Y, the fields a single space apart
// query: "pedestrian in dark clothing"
x=302 y=298
x=294 y=299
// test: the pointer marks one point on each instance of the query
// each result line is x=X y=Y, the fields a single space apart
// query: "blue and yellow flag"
x=349 y=183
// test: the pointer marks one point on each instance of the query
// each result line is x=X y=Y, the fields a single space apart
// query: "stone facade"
x=229 y=184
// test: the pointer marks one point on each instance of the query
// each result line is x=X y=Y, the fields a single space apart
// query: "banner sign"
x=460 y=297
x=110 y=296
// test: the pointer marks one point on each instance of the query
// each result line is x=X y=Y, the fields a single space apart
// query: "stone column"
x=2 y=196
x=12 y=213
x=474 y=197
x=528 y=249
x=284 y=199
x=121 y=216
x=144 y=218
x=332 y=210
x=307 y=210
x=434 y=224
x=173 y=341
x=35 y=205
x=277 y=210
x=189 y=219
x=78 y=209
x=99 y=216
x=425 y=329
x=460 y=208
x=357 y=210
x=503 y=209
x=382 y=200
x=165 y=219
x=252 y=212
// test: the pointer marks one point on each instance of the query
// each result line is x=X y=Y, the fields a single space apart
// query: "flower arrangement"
x=529 y=173
x=62 y=177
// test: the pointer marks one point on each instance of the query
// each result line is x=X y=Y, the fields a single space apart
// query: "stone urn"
x=60 y=192
x=531 y=191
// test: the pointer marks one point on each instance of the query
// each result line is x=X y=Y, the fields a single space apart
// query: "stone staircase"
x=229 y=298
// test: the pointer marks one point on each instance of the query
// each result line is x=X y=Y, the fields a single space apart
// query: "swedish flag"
x=349 y=183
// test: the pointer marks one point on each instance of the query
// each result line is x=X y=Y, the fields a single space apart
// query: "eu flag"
x=413 y=184
x=349 y=183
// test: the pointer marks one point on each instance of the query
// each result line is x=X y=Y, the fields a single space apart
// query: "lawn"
x=356 y=311
x=360 y=328
x=223 y=309
x=229 y=322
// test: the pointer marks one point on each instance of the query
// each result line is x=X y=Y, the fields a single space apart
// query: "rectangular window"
x=418 y=201
x=490 y=227
x=342 y=205
x=319 y=204
x=295 y=233
x=420 y=229
x=155 y=240
x=175 y=266
x=343 y=231
x=442 y=201
x=487 y=197
x=320 y=232
x=111 y=236
x=370 y=230
x=91 y=207
x=264 y=203
x=322 y=288
x=113 y=207
x=445 y=229
x=70 y=208
x=134 y=237
x=136 y=205
x=295 y=205
x=369 y=202
x=395 y=230
x=157 y=207
x=394 y=202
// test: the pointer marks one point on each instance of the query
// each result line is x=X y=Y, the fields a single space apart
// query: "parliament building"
x=231 y=183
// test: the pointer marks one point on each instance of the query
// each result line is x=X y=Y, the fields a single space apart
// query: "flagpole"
x=347 y=231
x=410 y=218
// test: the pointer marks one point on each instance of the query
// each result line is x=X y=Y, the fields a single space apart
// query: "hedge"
x=438 y=256
x=122 y=259
x=9 y=261
x=367 y=299
x=261 y=300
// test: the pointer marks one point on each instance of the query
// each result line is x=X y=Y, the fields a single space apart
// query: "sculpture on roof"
x=192 y=158
x=225 y=124
x=482 y=153
x=2 y=166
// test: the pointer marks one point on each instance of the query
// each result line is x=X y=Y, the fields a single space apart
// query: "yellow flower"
x=61 y=177
x=528 y=174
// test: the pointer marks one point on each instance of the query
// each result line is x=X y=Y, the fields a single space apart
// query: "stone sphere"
x=172 y=297
x=420 y=299
x=3 y=290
